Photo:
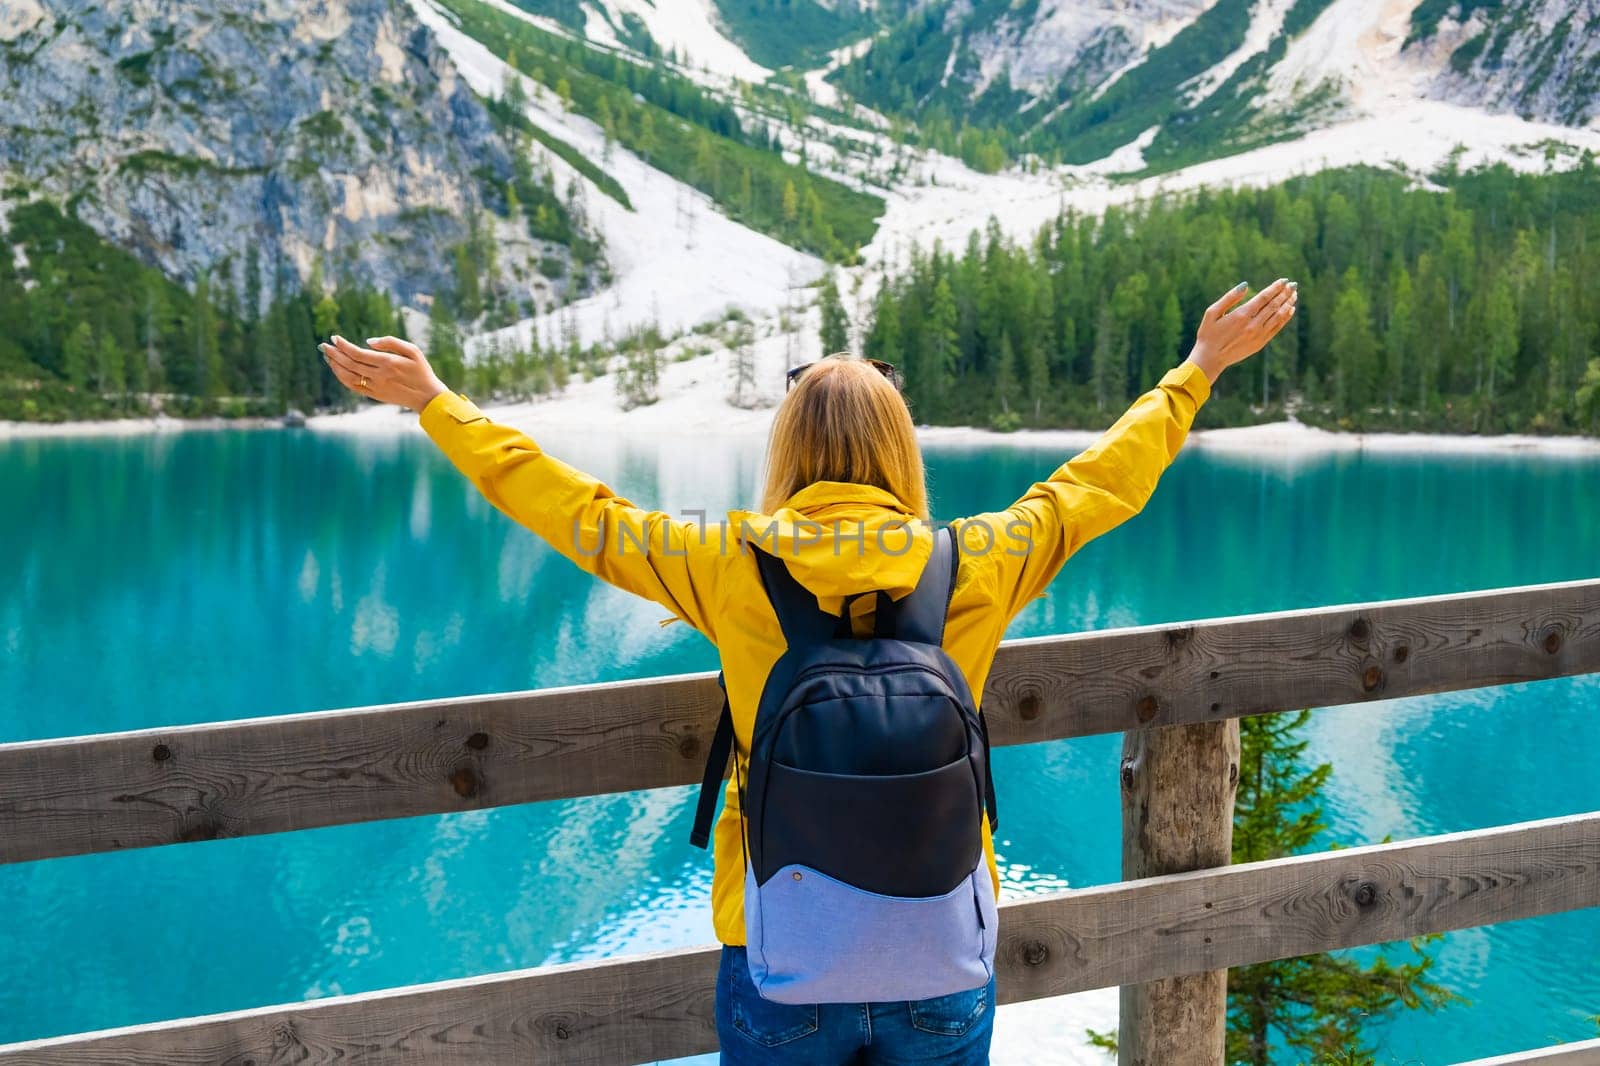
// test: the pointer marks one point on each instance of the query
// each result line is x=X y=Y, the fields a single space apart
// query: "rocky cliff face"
x=333 y=132
x=1211 y=76
x=1538 y=58
x=1084 y=42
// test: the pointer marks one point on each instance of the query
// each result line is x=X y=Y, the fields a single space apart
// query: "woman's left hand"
x=391 y=371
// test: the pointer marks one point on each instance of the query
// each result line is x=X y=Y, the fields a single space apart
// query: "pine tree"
x=1110 y=369
x=1169 y=334
x=325 y=316
x=1355 y=348
x=1038 y=339
x=110 y=367
x=1587 y=400
x=1499 y=337
x=791 y=203
x=883 y=339
x=1400 y=336
x=156 y=311
x=469 y=296
x=252 y=358
x=938 y=356
x=444 y=343
x=1005 y=374
x=77 y=355
x=835 y=323
x=207 y=347
x=1319 y=1005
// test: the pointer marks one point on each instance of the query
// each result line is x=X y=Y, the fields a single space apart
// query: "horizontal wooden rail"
x=1583 y=1053
x=302 y=771
x=646 y=1007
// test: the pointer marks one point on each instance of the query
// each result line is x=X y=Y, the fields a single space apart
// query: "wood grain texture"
x=266 y=775
x=1582 y=1053
x=1207 y=920
x=1178 y=784
x=649 y=1007
x=637 y=1009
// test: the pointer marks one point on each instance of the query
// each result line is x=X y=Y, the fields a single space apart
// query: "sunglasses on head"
x=886 y=369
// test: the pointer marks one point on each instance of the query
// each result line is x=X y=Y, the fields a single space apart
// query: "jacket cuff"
x=1191 y=379
x=446 y=410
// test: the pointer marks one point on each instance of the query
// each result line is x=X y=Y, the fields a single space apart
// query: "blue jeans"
x=950 y=1030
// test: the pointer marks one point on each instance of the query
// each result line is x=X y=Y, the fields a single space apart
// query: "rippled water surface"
x=211 y=575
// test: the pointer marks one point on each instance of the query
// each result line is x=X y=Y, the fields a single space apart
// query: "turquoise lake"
x=191 y=577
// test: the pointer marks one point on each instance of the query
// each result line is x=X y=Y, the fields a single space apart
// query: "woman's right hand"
x=391 y=371
x=1231 y=334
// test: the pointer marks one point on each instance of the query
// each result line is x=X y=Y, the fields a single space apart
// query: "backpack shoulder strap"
x=919 y=616
x=716 y=767
x=803 y=622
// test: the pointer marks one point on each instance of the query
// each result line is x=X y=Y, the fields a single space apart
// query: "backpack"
x=868 y=778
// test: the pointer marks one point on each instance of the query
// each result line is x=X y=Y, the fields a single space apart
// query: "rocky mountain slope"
x=333 y=133
x=1191 y=79
x=1537 y=58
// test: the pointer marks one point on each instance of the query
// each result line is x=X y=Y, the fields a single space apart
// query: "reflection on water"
x=200 y=576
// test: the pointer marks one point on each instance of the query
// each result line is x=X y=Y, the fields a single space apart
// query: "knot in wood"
x=1372 y=678
x=1028 y=706
x=1552 y=641
x=478 y=741
x=1146 y=708
x=689 y=747
x=1034 y=953
x=161 y=753
x=1360 y=629
x=465 y=782
x=1366 y=894
x=202 y=829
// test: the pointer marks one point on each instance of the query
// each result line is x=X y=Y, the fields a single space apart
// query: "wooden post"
x=1178 y=784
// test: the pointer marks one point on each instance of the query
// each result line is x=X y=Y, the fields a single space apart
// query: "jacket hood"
x=839 y=539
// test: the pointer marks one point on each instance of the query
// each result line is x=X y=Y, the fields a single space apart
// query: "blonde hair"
x=844 y=421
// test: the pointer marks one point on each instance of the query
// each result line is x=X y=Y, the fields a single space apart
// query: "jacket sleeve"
x=671 y=562
x=1091 y=494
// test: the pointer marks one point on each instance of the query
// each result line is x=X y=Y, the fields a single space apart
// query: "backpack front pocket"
x=814 y=939
x=907 y=835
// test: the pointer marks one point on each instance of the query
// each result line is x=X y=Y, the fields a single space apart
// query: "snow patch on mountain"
x=689 y=28
x=1352 y=49
x=823 y=91
x=1266 y=23
x=676 y=260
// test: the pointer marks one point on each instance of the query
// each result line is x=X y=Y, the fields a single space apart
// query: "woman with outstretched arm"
x=855 y=883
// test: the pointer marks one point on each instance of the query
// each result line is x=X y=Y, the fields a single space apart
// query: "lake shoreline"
x=1268 y=438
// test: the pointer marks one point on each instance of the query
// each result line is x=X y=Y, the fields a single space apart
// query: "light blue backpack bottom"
x=814 y=939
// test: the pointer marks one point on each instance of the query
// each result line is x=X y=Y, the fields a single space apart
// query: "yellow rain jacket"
x=837 y=539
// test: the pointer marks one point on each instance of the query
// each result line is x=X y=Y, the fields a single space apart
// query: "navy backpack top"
x=868 y=781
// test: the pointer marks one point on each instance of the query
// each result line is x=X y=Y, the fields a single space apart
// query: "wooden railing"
x=164 y=786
